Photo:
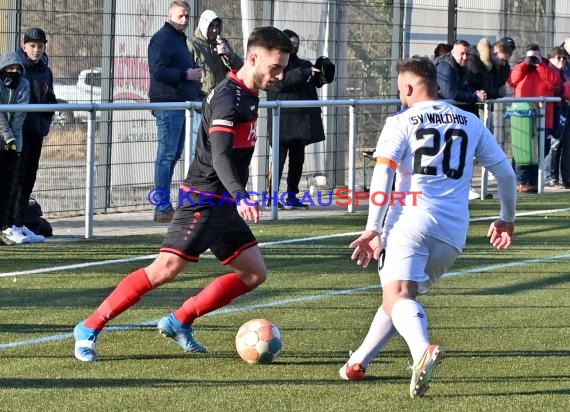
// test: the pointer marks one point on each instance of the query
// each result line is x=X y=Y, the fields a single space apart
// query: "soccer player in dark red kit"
x=208 y=219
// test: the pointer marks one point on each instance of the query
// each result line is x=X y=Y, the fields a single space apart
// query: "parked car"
x=86 y=90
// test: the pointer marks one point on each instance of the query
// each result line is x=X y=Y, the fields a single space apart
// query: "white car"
x=86 y=90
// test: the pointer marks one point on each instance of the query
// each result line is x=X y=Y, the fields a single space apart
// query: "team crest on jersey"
x=222 y=122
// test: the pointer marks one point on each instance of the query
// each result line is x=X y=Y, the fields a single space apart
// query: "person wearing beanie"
x=37 y=124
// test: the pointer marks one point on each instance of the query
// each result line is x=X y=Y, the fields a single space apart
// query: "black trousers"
x=8 y=192
x=296 y=152
x=26 y=173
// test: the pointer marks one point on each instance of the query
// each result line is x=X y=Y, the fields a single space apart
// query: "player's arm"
x=368 y=245
x=221 y=134
x=221 y=141
x=501 y=231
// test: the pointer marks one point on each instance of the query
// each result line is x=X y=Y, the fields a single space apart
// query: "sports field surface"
x=502 y=316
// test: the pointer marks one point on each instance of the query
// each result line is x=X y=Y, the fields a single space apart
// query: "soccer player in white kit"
x=430 y=147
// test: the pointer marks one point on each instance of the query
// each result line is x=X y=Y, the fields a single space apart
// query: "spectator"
x=460 y=77
x=489 y=71
x=453 y=78
x=502 y=53
x=174 y=77
x=298 y=127
x=37 y=124
x=558 y=154
x=533 y=77
x=14 y=89
x=441 y=49
x=213 y=53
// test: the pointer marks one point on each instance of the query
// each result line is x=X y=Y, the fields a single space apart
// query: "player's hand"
x=366 y=247
x=249 y=210
x=500 y=234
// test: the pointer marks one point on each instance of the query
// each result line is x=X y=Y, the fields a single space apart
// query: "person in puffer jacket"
x=14 y=89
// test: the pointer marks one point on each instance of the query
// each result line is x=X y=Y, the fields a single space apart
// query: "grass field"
x=503 y=317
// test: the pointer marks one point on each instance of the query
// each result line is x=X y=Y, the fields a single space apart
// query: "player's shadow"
x=537 y=284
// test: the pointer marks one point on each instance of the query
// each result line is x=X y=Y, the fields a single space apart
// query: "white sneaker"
x=473 y=195
x=16 y=235
x=31 y=235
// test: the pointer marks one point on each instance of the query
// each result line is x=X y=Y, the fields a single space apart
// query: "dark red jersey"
x=226 y=140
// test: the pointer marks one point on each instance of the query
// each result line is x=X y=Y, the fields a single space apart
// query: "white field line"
x=284 y=302
x=278 y=242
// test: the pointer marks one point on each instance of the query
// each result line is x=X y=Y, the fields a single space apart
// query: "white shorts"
x=416 y=257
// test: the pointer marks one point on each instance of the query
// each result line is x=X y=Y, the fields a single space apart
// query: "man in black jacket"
x=298 y=127
x=37 y=124
x=174 y=77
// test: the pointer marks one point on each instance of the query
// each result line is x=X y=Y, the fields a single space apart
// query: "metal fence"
x=80 y=183
x=105 y=41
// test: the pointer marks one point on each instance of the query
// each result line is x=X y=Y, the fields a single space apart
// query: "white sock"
x=410 y=320
x=379 y=334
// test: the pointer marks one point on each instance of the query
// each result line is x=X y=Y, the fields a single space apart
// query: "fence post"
x=541 y=140
x=90 y=175
x=484 y=171
x=275 y=113
x=189 y=116
x=351 y=154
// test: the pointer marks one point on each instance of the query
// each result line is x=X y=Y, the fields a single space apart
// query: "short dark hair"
x=503 y=47
x=290 y=33
x=557 y=51
x=441 y=49
x=269 y=38
x=462 y=42
x=532 y=47
x=423 y=68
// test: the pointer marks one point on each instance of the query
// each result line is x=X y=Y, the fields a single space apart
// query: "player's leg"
x=421 y=266
x=381 y=331
x=235 y=245
x=248 y=272
x=125 y=295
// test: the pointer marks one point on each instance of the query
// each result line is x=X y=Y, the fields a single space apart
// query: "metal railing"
x=93 y=108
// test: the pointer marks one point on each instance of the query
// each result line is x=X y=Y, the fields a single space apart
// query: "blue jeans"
x=170 y=129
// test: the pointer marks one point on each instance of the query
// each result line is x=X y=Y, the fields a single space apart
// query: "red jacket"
x=533 y=81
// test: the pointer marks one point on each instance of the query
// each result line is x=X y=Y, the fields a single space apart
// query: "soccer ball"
x=258 y=341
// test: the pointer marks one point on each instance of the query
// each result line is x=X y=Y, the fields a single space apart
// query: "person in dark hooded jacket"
x=14 y=89
x=298 y=127
x=213 y=53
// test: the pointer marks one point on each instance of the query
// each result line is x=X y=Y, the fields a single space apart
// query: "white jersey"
x=433 y=144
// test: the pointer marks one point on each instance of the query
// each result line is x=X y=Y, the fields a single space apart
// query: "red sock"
x=218 y=293
x=128 y=292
